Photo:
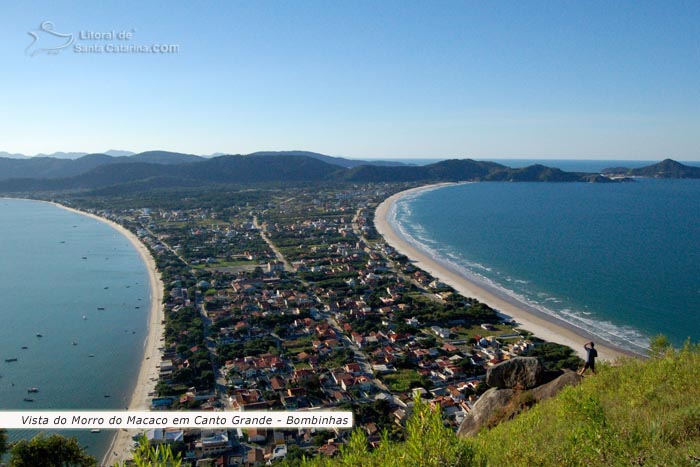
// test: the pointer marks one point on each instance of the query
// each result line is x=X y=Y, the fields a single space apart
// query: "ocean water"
x=56 y=269
x=621 y=261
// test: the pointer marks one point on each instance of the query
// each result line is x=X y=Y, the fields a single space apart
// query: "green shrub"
x=428 y=444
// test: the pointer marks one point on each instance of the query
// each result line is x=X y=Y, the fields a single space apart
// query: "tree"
x=146 y=455
x=3 y=442
x=49 y=451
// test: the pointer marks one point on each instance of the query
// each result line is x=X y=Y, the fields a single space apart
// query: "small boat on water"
x=75 y=343
x=100 y=308
x=95 y=430
x=84 y=317
x=32 y=390
x=28 y=399
x=84 y=257
x=106 y=288
x=24 y=347
x=13 y=359
x=39 y=335
x=91 y=355
x=107 y=395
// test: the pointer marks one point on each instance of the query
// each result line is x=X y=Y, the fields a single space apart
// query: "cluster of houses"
x=339 y=330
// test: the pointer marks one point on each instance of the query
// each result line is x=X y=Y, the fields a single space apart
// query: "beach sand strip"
x=540 y=324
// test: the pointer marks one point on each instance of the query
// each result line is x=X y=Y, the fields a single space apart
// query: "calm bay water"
x=619 y=260
x=56 y=269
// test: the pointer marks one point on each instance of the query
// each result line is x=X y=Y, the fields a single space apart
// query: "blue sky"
x=555 y=79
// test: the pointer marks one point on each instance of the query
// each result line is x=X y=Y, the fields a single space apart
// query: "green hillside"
x=641 y=413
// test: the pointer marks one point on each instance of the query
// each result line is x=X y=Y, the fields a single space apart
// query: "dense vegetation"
x=146 y=455
x=428 y=444
x=49 y=451
x=641 y=413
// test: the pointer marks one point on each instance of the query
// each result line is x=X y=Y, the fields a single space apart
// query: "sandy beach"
x=540 y=324
x=120 y=449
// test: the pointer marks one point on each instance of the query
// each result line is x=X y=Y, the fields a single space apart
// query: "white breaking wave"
x=624 y=336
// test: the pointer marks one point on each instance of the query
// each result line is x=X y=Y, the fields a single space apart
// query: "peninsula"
x=277 y=296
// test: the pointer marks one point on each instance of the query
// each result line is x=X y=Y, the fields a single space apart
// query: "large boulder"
x=489 y=407
x=551 y=389
x=523 y=372
x=497 y=405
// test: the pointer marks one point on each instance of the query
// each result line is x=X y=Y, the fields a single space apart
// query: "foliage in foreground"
x=428 y=443
x=3 y=442
x=146 y=455
x=641 y=413
x=49 y=451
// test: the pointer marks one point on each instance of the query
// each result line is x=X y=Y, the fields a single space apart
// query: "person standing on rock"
x=591 y=354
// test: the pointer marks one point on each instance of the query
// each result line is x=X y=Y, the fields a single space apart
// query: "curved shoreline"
x=540 y=324
x=120 y=448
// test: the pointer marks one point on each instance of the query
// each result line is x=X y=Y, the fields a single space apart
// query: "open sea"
x=84 y=288
x=621 y=261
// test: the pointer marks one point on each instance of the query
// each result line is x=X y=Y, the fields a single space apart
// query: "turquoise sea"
x=84 y=288
x=621 y=261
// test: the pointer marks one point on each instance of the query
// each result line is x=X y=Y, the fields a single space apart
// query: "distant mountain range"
x=341 y=161
x=66 y=155
x=667 y=168
x=162 y=169
x=120 y=153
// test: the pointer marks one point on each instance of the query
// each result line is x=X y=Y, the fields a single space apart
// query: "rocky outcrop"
x=489 y=406
x=522 y=372
x=551 y=389
x=516 y=385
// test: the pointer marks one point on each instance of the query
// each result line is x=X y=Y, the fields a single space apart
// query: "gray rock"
x=526 y=372
x=496 y=405
x=551 y=389
x=489 y=405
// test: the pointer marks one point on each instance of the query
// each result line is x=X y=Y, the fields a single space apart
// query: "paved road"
x=273 y=247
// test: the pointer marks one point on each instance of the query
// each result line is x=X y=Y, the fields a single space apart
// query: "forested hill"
x=62 y=167
x=668 y=168
x=159 y=169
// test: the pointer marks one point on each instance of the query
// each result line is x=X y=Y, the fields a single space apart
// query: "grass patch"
x=404 y=380
x=476 y=330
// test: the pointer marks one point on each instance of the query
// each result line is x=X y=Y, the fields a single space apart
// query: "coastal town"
x=290 y=300
x=350 y=234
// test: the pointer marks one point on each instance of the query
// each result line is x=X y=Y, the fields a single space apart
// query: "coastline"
x=120 y=448
x=541 y=325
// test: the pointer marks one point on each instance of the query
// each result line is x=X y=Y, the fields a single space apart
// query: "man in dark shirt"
x=592 y=353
